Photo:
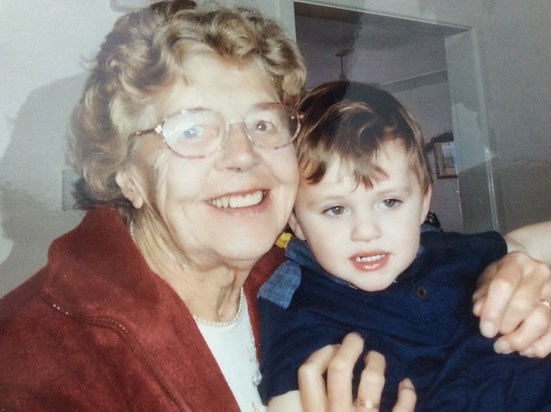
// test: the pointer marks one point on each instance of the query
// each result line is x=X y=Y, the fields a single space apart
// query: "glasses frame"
x=158 y=130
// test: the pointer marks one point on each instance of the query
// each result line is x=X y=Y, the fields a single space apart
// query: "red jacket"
x=96 y=329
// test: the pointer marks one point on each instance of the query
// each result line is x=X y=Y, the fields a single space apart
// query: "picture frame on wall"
x=445 y=159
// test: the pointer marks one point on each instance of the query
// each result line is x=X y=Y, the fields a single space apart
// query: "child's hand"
x=513 y=300
x=338 y=361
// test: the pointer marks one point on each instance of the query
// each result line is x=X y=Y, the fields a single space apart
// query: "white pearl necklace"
x=131 y=230
x=231 y=321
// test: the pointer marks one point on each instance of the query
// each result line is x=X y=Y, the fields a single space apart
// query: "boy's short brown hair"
x=351 y=121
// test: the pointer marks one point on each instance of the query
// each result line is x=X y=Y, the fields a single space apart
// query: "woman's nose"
x=238 y=151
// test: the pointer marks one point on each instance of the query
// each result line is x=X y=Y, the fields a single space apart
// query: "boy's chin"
x=373 y=286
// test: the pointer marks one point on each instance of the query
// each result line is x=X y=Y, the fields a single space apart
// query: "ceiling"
x=375 y=49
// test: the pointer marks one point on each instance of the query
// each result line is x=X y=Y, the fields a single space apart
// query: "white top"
x=234 y=350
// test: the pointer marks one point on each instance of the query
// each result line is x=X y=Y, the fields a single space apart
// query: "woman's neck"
x=211 y=290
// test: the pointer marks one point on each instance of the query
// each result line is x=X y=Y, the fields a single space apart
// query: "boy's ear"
x=297 y=230
x=426 y=204
x=129 y=188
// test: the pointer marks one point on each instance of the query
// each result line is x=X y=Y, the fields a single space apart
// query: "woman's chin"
x=246 y=244
x=247 y=249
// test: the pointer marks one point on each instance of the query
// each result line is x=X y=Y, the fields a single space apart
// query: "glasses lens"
x=194 y=133
x=272 y=125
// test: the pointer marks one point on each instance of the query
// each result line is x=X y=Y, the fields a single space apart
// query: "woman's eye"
x=264 y=126
x=191 y=133
x=335 y=211
x=199 y=132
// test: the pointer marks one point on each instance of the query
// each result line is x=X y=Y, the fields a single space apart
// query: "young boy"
x=359 y=262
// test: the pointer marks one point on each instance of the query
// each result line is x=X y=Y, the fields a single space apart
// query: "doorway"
x=432 y=69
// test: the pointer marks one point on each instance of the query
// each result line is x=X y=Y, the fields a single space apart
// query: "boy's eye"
x=335 y=211
x=391 y=203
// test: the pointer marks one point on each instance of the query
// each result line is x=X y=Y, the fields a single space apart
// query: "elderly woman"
x=183 y=140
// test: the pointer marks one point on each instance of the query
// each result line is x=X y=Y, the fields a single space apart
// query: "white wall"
x=517 y=51
x=44 y=48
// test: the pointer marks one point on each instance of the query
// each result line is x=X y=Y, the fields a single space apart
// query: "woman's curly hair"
x=143 y=55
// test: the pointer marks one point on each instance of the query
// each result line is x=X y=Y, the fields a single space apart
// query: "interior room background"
x=478 y=69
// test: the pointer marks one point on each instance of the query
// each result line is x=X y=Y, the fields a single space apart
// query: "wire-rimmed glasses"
x=198 y=132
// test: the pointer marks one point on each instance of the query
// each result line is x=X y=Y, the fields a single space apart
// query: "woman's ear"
x=129 y=189
x=297 y=230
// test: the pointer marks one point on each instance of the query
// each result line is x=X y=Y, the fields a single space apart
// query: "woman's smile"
x=238 y=201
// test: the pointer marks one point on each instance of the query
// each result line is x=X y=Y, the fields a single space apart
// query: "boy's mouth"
x=370 y=262
x=369 y=259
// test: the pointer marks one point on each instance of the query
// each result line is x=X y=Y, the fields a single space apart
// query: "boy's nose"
x=365 y=228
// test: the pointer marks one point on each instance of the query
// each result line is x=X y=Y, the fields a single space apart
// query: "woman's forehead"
x=212 y=81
